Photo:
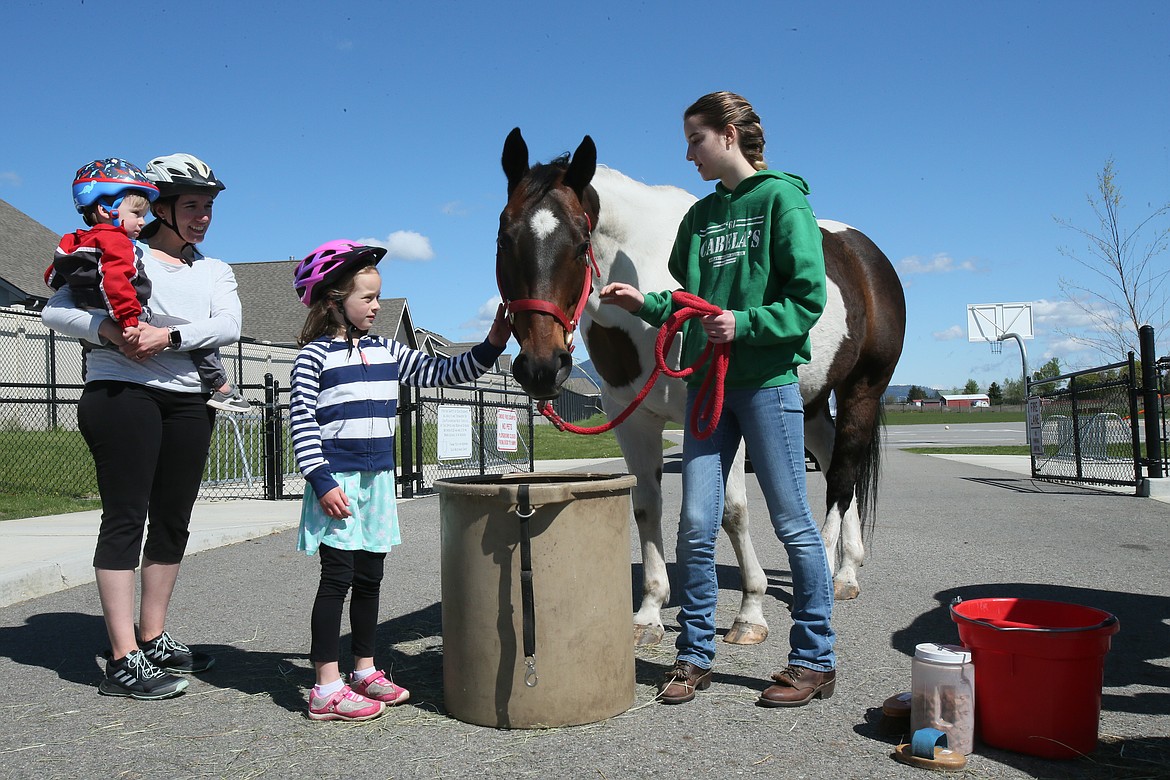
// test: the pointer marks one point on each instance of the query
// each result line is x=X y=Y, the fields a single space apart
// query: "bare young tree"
x=1131 y=290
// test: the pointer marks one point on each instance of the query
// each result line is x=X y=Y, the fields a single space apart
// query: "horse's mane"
x=542 y=177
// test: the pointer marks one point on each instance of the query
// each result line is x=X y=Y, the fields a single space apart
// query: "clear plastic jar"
x=943 y=687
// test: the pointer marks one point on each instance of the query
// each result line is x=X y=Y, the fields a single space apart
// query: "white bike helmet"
x=183 y=174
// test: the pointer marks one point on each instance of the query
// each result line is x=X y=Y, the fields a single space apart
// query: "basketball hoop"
x=996 y=347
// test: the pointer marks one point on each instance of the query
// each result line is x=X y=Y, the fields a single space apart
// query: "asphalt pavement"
x=947 y=527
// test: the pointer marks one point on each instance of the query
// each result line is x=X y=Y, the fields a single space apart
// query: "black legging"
x=341 y=570
x=149 y=447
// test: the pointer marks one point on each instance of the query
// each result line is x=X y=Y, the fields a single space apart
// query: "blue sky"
x=952 y=134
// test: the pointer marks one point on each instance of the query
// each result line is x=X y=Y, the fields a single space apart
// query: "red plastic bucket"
x=1039 y=667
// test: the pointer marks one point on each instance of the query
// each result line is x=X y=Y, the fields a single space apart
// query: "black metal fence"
x=1163 y=369
x=1104 y=425
x=501 y=426
x=42 y=451
x=1089 y=426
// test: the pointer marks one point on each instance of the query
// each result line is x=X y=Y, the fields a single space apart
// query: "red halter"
x=550 y=308
x=708 y=405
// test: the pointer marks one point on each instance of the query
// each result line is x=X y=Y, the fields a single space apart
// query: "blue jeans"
x=771 y=421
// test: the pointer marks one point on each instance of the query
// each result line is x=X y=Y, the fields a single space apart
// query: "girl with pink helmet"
x=343 y=409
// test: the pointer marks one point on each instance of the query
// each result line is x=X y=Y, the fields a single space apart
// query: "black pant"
x=341 y=570
x=149 y=447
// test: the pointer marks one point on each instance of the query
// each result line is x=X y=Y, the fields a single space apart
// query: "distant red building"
x=975 y=400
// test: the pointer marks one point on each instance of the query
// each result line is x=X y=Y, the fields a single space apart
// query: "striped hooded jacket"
x=344 y=402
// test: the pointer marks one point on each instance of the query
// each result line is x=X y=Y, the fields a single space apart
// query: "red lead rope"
x=709 y=401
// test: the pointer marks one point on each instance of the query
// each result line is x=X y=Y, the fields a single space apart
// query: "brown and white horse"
x=555 y=214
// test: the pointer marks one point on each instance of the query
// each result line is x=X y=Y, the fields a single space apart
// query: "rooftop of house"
x=271 y=310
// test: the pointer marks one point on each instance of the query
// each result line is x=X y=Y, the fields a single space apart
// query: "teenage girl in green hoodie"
x=752 y=248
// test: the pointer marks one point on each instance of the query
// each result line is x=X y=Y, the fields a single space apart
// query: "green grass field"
x=51 y=472
x=952 y=417
x=1005 y=449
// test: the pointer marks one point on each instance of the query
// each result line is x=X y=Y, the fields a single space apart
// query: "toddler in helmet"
x=103 y=266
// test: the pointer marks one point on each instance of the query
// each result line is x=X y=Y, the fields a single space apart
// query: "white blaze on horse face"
x=543 y=223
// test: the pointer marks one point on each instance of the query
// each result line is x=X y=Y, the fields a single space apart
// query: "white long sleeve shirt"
x=203 y=293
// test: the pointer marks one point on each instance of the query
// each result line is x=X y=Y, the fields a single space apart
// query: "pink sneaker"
x=344 y=705
x=380 y=688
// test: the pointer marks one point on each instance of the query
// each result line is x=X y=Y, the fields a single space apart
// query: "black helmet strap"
x=187 y=252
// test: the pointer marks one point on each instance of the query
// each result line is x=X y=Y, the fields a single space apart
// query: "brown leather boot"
x=681 y=682
x=798 y=685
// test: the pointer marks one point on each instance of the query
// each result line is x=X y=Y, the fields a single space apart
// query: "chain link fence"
x=42 y=451
x=1089 y=424
x=502 y=430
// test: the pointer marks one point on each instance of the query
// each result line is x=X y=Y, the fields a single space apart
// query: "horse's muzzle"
x=542 y=378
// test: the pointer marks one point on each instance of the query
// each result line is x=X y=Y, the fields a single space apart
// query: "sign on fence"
x=454 y=432
x=506 y=430
x=1035 y=427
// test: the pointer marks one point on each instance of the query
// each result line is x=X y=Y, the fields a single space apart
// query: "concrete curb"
x=42 y=555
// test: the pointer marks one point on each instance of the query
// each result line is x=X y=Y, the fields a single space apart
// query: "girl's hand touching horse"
x=624 y=295
x=501 y=329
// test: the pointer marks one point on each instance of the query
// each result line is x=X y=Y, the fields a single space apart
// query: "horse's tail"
x=868 y=473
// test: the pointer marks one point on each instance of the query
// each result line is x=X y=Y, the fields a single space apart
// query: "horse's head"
x=543 y=262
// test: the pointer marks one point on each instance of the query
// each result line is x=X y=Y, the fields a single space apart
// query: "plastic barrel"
x=1039 y=667
x=580 y=558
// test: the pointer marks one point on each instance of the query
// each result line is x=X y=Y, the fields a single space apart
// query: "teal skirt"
x=373 y=522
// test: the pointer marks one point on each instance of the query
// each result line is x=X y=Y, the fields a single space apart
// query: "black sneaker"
x=135 y=676
x=171 y=656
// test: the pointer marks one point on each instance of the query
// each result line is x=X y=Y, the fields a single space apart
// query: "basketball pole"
x=1023 y=356
x=1024 y=367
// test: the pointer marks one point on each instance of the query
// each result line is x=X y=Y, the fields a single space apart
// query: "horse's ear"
x=582 y=167
x=514 y=159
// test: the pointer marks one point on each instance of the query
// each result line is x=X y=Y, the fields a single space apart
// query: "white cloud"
x=484 y=316
x=454 y=208
x=940 y=263
x=1064 y=315
x=403 y=245
x=10 y=179
x=950 y=334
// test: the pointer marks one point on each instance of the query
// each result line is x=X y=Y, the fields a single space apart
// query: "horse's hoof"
x=746 y=634
x=648 y=635
x=845 y=591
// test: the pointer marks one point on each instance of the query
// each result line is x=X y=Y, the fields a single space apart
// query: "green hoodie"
x=756 y=252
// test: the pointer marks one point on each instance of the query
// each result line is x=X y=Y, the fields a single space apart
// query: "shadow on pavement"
x=68 y=643
x=1026 y=485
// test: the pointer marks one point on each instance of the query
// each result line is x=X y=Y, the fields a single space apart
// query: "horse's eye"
x=582 y=249
x=503 y=243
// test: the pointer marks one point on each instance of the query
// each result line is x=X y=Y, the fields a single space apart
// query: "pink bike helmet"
x=329 y=262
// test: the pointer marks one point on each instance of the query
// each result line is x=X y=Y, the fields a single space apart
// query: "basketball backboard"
x=990 y=321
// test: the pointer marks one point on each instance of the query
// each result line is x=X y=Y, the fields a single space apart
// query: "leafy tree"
x=915 y=393
x=995 y=393
x=1130 y=288
x=971 y=388
x=1048 y=370
x=1013 y=391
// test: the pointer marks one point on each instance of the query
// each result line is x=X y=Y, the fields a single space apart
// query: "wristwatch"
x=175 y=339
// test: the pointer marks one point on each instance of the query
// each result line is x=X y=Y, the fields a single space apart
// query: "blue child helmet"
x=109 y=178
